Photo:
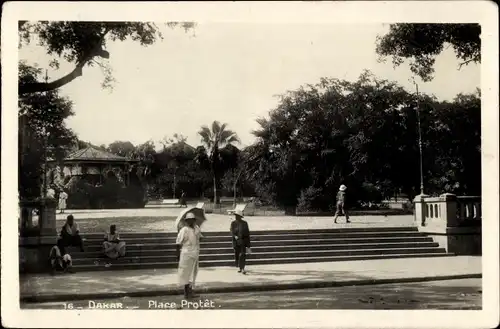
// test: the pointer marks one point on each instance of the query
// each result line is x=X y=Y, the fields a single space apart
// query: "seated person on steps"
x=113 y=246
x=59 y=262
x=70 y=235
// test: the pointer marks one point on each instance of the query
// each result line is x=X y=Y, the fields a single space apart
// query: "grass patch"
x=124 y=224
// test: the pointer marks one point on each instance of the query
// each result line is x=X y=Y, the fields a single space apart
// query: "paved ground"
x=449 y=294
x=164 y=281
x=163 y=219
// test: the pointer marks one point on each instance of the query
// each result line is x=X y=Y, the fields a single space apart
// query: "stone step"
x=140 y=235
x=289 y=236
x=151 y=245
x=250 y=262
x=134 y=251
x=267 y=255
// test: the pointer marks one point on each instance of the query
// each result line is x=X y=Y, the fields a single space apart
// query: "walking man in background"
x=241 y=240
x=341 y=209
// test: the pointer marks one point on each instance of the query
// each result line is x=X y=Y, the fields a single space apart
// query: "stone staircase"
x=157 y=250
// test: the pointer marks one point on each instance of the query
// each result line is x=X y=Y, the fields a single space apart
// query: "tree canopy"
x=84 y=44
x=42 y=132
x=363 y=134
x=421 y=43
x=217 y=141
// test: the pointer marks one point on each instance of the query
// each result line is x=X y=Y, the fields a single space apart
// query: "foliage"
x=121 y=148
x=423 y=42
x=84 y=44
x=83 y=144
x=42 y=132
x=108 y=196
x=458 y=160
x=363 y=134
x=311 y=199
x=217 y=142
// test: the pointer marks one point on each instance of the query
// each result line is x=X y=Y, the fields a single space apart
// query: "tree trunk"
x=215 y=192
x=234 y=195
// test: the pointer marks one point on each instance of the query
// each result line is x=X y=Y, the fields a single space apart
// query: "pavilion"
x=92 y=164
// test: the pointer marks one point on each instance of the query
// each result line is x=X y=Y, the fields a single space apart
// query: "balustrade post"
x=48 y=229
x=449 y=209
x=420 y=209
x=35 y=242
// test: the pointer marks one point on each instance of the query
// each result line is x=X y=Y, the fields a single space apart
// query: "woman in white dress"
x=113 y=246
x=188 y=253
x=62 y=201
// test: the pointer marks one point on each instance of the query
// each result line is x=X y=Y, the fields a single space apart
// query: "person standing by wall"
x=341 y=205
x=63 y=196
x=241 y=240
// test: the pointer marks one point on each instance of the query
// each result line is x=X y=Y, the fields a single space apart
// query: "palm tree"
x=214 y=140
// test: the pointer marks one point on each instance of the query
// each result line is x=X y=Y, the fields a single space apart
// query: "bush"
x=311 y=199
x=109 y=196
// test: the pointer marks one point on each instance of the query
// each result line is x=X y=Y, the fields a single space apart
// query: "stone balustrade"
x=469 y=210
x=37 y=234
x=453 y=221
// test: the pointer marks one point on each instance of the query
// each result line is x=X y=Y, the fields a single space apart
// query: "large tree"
x=421 y=43
x=42 y=132
x=215 y=139
x=83 y=44
x=363 y=134
x=122 y=148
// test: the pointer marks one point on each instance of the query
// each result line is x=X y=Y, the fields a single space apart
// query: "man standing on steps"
x=241 y=240
x=341 y=209
x=188 y=254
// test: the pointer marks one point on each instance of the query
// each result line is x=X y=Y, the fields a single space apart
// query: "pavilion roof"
x=93 y=154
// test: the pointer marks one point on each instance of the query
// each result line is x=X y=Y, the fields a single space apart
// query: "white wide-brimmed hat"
x=190 y=215
x=238 y=213
x=343 y=187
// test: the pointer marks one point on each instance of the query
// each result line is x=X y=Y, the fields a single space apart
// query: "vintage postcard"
x=250 y=164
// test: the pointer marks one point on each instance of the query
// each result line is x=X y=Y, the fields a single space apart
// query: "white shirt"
x=111 y=237
x=189 y=239
x=73 y=229
x=51 y=193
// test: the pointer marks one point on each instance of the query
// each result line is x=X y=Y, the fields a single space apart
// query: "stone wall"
x=36 y=239
x=443 y=219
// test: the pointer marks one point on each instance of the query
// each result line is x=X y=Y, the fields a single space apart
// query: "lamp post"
x=45 y=143
x=419 y=142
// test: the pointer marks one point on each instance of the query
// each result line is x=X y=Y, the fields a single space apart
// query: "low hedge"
x=109 y=196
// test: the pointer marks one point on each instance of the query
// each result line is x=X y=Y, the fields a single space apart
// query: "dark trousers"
x=67 y=240
x=240 y=256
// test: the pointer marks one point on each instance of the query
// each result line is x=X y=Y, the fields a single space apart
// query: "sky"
x=228 y=72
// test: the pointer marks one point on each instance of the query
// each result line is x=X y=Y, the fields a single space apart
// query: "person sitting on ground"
x=113 y=246
x=59 y=262
x=70 y=235
x=341 y=209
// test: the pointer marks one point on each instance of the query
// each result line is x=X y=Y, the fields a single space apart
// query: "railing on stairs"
x=452 y=210
x=454 y=221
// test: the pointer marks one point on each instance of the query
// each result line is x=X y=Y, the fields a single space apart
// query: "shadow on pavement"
x=430 y=295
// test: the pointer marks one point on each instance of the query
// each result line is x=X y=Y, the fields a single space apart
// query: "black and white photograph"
x=252 y=162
